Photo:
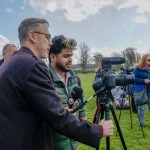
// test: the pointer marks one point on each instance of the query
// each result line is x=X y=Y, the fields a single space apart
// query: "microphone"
x=76 y=93
x=113 y=60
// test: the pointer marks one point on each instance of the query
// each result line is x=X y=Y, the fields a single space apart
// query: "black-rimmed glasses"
x=48 y=36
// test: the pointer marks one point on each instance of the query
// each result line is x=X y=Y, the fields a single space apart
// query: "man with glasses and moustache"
x=30 y=105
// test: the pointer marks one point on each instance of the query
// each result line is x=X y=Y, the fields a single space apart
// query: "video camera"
x=111 y=80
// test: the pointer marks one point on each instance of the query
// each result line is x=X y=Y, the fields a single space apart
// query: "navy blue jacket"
x=100 y=74
x=140 y=76
x=30 y=107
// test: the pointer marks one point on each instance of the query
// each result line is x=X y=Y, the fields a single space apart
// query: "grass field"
x=133 y=137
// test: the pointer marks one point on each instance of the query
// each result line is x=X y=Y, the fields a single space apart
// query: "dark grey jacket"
x=30 y=107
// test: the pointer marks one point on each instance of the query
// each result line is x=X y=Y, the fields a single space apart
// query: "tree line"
x=84 y=56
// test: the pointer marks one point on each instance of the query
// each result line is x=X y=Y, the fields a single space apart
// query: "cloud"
x=3 y=41
x=140 y=19
x=78 y=10
x=9 y=10
x=22 y=7
x=74 y=10
x=142 y=6
x=119 y=3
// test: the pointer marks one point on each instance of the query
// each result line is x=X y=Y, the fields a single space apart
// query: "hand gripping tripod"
x=103 y=105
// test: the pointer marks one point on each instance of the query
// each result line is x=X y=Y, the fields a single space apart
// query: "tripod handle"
x=78 y=107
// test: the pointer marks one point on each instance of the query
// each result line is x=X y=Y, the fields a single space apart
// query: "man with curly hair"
x=64 y=80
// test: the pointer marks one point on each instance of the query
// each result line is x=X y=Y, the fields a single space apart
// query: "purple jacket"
x=30 y=107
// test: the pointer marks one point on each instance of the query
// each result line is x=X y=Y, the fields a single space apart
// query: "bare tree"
x=97 y=58
x=116 y=54
x=131 y=55
x=84 y=55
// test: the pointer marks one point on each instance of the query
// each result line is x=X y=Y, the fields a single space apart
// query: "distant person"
x=7 y=51
x=29 y=104
x=99 y=73
x=142 y=80
x=64 y=80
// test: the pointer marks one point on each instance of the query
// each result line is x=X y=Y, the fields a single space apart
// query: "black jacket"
x=1 y=61
x=30 y=107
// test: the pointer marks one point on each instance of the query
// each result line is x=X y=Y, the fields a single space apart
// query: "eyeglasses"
x=48 y=36
x=147 y=59
x=10 y=45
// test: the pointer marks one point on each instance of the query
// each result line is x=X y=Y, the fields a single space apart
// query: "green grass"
x=133 y=137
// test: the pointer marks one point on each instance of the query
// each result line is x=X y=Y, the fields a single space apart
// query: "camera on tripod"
x=126 y=70
x=111 y=80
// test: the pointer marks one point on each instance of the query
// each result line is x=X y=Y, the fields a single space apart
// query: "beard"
x=62 y=68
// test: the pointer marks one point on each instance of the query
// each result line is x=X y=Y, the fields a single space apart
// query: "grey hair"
x=27 y=25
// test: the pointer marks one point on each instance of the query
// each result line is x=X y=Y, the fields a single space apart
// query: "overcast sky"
x=105 y=25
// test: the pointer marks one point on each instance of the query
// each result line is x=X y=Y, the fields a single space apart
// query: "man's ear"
x=32 y=36
x=52 y=57
x=3 y=54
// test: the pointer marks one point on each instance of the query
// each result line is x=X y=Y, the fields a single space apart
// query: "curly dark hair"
x=60 y=42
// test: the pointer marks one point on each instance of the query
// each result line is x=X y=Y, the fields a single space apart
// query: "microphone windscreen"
x=76 y=92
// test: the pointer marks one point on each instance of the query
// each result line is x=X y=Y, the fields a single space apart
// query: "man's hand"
x=69 y=109
x=107 y=127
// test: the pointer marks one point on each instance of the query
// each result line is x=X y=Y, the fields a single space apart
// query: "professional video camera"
x=126 y=70
x=111 y=80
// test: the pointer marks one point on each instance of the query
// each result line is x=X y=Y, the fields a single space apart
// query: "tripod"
x=127 y=90
x=103 y=105
x=123 y=98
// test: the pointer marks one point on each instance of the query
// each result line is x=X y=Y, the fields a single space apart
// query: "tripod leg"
x=120 y=113
x=99 y=114
x=121 y=105
x=118 y=127
x=130 y=110
x=107 y=116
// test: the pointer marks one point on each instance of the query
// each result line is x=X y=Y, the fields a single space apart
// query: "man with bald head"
x=7 y=51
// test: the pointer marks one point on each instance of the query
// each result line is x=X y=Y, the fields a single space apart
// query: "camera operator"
x=29 y=104
x=142 y=80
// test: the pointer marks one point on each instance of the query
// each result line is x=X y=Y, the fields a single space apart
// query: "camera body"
x=126 y=70
x=111 y=80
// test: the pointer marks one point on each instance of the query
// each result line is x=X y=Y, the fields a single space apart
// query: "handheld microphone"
x=76 y=93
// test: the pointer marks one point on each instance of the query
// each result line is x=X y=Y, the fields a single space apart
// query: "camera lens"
x=123 y=79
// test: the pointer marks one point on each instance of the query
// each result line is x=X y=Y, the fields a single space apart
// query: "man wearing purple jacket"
x=29 y=104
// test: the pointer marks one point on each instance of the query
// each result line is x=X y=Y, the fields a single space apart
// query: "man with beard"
x=64 y=80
